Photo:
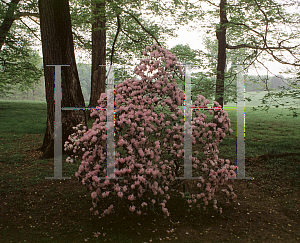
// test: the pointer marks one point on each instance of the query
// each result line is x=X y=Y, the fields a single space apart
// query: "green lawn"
x=33 y=209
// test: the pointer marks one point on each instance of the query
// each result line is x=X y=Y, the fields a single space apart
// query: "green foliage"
x=256 y=31
x=20 y=65
x=21 y=70
x=137 y=30
x=186 y=55
x=84 y=72
x=132 y=38
x=204 y=82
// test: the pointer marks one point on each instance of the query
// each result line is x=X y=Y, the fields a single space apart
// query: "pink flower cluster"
x=149 y=146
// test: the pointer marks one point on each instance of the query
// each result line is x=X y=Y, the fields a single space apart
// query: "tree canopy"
x=256 y=31
x=20 y=64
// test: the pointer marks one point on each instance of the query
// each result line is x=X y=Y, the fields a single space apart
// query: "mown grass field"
x=33 y=209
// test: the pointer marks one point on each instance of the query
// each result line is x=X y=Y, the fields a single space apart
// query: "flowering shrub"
x=149 y=147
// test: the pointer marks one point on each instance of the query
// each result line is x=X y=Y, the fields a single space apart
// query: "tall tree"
x=128 y=34
x=98 y=51
x=20 y=70
x=57 y=45
x=230 y=75
x=221 y=65
x=256 y=25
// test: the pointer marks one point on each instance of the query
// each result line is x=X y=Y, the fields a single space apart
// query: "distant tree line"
x=253 y=83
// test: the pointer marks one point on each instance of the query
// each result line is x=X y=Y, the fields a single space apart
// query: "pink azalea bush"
x=149 y=146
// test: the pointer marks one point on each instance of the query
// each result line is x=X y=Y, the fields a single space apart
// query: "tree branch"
x=248 y=27
x=33 y=20
x=212 y=3
x=267 y=21
x=142 y=26
x=79 y=38
x=261 y=48
x=4 y=2
x=8 y=20
x=287 y=21
x=115 y=40
x=267 y=88
x=294 y=54
x=269 y=50
x=30 y=30
x=280 y=14
x=255 y=58
x=126 y=33
x=114 y=43
x=282 y=79
x=18 y=15
x=281 y=61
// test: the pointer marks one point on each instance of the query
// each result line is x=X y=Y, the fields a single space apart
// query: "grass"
x=33 y=209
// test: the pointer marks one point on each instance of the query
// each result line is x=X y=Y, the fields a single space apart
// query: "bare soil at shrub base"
x=33 y=209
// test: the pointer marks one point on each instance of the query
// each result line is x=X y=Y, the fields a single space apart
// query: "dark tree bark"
x=58 y=48
x=221 y=36
x=8 y=21
x=98 y=51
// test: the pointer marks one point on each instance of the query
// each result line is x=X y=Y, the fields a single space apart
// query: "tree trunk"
x=221 y=36
x=98 y=52
x=8 y=21
x=58 y=48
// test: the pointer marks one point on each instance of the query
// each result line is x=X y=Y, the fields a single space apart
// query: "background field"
x=33 y=209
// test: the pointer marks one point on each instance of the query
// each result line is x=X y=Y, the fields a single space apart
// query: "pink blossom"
x=146 y=163
x=121 y=142
x=144 y=204
x=94 y=195
x=132 y=208
x=131 y=197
